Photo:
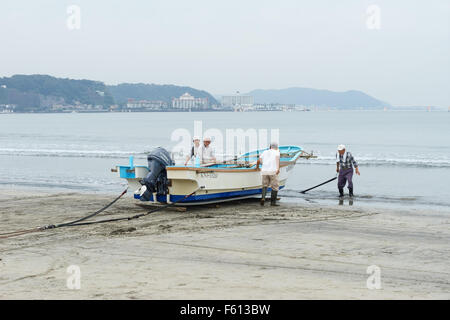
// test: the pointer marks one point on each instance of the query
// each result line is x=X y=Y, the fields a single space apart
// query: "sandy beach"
x=232 y=251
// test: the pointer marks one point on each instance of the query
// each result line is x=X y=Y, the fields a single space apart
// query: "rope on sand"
x=52 y=226
x=79 y=222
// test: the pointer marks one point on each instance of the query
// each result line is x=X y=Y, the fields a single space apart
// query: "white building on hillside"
x=186 y=101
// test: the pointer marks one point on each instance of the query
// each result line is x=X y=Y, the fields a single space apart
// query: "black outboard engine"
x=156 y=179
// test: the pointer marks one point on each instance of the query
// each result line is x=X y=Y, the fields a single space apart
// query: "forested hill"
x=43 y=92
x=31 y=92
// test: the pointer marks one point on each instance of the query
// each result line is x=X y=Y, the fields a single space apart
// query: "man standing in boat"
x=270 y=160
x=344 y=166
x=206 y=152
x=194 y=150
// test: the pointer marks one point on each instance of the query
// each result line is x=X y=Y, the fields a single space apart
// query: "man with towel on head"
x=344 y=165
x=270 y=160
x=206 y=152
x=194 y=150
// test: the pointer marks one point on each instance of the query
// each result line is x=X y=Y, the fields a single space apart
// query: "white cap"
x=207 y=139
x=341 y=147
x=195 y=138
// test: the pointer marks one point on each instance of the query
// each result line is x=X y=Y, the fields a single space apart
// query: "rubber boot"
x=350 y=192
x=341 y=192
x=263 y=195
x=273 y=198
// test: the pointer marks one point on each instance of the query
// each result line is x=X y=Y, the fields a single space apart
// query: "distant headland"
x=44 y=93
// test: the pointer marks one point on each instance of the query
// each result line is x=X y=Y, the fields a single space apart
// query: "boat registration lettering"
x=209 y=175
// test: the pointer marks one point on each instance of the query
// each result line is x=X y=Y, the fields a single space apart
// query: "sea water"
x=404 y=157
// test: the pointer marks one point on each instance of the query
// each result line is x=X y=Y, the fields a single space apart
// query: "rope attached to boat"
x=79 y=222
x=138 y=215
x=52 y=226
x=88 y=216
x=328 y=181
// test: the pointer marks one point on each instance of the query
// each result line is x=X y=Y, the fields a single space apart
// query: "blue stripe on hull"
x=211 y=196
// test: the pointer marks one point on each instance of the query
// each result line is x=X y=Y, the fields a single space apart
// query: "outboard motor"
x=156 y=180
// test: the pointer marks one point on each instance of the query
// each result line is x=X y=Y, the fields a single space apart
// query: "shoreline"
x=325 y=199
x=320 y=109
x=230 y=251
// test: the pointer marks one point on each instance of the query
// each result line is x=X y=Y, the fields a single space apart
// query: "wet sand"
x=232 y=251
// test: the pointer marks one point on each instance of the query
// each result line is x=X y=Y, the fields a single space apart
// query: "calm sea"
x=404 y=157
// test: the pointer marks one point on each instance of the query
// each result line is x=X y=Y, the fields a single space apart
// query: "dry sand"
x=234 y=251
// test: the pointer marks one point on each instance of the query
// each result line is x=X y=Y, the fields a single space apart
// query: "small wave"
x=72 y=184
x=404 y=161
x=325 y=195
x=369 y=161
x=70 y=153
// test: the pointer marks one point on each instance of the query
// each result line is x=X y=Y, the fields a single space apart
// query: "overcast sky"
x=229 y=45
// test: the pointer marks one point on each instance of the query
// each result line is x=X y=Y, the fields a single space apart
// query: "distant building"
x=7 y=108
x=186 y=101
x=269 y=107
x=146 y=104
x=237 y=100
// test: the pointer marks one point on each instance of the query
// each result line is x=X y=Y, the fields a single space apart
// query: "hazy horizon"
x=232 y=46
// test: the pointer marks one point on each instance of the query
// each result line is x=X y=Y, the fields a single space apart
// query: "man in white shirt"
x=270 y=160
x=206 y=152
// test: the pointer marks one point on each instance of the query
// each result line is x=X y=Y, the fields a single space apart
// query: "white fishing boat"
x=163 y=182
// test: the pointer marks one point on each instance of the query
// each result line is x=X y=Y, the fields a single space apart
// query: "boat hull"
x=212 y=185
x=217 y=183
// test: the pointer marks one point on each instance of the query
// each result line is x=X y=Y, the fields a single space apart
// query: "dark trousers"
x=345 y=175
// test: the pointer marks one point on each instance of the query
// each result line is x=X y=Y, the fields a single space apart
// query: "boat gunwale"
x=292 y=160
x=209 y=169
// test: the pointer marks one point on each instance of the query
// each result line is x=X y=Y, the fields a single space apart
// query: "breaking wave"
x=70 y=153
x=387 y=161
x=398 y=160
